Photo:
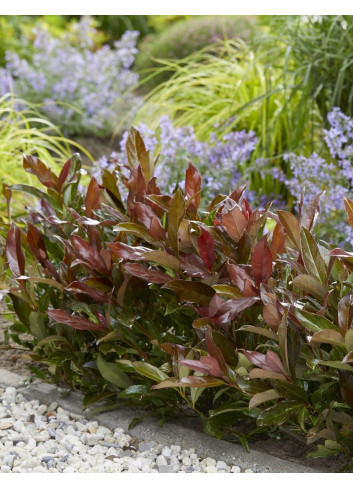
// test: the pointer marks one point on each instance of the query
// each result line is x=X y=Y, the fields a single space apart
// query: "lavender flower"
x=220 y=162
x=83 y=90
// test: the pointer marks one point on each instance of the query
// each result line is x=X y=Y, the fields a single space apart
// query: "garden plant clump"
x=234 y=313
x=85 y=88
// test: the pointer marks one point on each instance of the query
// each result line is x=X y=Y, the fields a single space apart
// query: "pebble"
x=144 y=447
x=36 y=437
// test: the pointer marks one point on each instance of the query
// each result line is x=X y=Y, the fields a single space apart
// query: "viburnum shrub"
x=233 y=312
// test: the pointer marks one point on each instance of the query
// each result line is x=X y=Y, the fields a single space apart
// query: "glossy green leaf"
x=149 y=371
x=313 y=261
x=112 y=373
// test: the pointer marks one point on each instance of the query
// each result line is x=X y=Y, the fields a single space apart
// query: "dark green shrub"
x=236 y=313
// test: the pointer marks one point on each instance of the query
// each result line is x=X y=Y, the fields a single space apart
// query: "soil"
x=15 y=359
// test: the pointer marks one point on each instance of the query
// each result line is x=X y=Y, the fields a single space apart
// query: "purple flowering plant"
x=221 y=161
x=226 y=163
x=83 y=88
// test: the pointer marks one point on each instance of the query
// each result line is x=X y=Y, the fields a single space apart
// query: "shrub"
x=84 y=90
x=147 y=302
x=184 y=37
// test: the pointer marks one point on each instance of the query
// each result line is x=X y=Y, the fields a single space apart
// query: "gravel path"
x=38 y=438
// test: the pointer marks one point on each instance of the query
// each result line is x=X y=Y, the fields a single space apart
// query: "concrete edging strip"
x=169 y=434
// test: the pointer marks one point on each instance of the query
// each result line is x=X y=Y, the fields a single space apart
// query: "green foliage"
x=24 y=130
x=182 y=38
x=321 y=47
x=150 y=300
x=114 y=26
x=234 y=87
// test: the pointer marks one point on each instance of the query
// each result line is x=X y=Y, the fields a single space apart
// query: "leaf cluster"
x=236 y=313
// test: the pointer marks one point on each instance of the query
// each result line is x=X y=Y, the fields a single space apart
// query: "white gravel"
x=35 y=437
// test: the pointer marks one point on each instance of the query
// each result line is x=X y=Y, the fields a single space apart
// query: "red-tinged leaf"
x=329 y=336
x=153 y=276
x=193 y=265
x=238 y=193
x=258 y=373
x=134 y=147
x=175 y=216
x=162 y=258
x=273 y=362
x=82 y=288
x=345 y=313
x=101 y=319
x=147 y=164
x=36 y=167
x=107 y=258
x=311 y=212
x=134 y=253
x=197 y=381
x=65 y=172
x=239 y=276
x=92 y=197
x=278 y=239
x=262 y=397
x=256 y=358
x=212 y=365
x=196 y=292
x=137 y=190
x=261 y=262
x=212 y=308
x=119 y=216
x=88 y=255
x=149 y=219
x=230 y=309
x=215 y=352
x=291 y=227
x=77 y=322
x=310 y=284
x=271 y=316
x=313 y=261
x=348 y=205
x=95 y=238
x=249 y=215
x=36 y=244
x=46 y=208
x=14 y=255
x=234 y=223
x=193 y=188
x=206 y=246
x=152 y=187
x=195 y=365
x=338 y=252
x=163 y=201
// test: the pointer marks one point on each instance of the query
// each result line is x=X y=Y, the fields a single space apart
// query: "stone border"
x=171 y=433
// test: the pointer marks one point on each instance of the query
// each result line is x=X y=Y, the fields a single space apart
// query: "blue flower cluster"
x=334 y=175
x=82 y=89
x=220 y=161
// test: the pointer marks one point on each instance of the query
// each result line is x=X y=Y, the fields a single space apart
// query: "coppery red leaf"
x=207 y=248
x=14 y=255
x=262 y=262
